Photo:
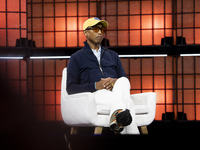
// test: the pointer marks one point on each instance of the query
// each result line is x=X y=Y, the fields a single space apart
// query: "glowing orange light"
x=158 y=21
x=72 y=23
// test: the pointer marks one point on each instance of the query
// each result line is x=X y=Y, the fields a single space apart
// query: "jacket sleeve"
x=120 y=69
x=73 y=79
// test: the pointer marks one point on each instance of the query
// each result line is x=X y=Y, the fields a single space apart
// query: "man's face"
x=94 y=37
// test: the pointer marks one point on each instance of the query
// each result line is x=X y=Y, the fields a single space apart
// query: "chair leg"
x=74 y=130
x=144 y=130
x=67 y=142
x=98 y=130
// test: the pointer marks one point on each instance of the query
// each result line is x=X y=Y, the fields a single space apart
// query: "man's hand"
x=109 y=83
x=106 y=83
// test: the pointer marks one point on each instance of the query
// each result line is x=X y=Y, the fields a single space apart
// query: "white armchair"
x=81 y=109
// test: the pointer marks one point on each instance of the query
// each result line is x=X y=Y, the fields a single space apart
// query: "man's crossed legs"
x=121 y=106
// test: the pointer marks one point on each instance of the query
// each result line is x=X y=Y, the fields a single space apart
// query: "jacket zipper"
x=101 y=71
x=100 y=65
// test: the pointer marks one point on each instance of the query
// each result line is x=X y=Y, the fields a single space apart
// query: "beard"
x=95 y=41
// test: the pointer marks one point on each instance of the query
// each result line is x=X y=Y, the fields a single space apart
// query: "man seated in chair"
x=99 y=70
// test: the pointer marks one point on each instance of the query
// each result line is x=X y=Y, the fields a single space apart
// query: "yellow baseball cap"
x=93 y=21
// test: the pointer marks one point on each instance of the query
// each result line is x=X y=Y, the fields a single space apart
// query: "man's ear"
x=85 y=33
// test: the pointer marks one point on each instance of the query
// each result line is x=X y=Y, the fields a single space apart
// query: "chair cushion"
x=103 y=110
x=139 y=109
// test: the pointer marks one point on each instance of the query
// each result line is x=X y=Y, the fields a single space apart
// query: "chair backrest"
x=64 y=83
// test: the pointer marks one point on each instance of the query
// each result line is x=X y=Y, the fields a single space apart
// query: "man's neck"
x=93 y=46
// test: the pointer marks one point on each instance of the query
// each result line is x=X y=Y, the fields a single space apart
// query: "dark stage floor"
x=50 y=136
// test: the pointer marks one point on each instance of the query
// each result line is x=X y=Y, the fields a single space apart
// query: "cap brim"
x=104 y=23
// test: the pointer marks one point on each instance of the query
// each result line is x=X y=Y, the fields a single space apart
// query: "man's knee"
x=123 y=81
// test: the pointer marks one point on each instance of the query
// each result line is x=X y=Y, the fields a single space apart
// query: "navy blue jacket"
x=84 y=70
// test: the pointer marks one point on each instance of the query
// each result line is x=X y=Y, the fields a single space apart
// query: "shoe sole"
x=124 y=118
x=113 y=127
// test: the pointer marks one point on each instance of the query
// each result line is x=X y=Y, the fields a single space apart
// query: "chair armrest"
x=148 y=99
x=144 y=98
x=78 y=109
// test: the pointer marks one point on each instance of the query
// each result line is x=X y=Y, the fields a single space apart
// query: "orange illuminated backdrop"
x=138 y=22
x=58 y=23
x=13 y=21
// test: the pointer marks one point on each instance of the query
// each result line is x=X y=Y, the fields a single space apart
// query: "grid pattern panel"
x=152 y=75
x=187 y=23
x=44 y=80
x=174 y=80
x=58 y=23
x=137 y=22
x=50 y=26
x=145 y=22
x=188 y=77
x=12 y=21
x=14 y=74
x=145 y=75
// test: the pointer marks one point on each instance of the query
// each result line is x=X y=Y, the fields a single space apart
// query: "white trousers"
x=119 y=98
